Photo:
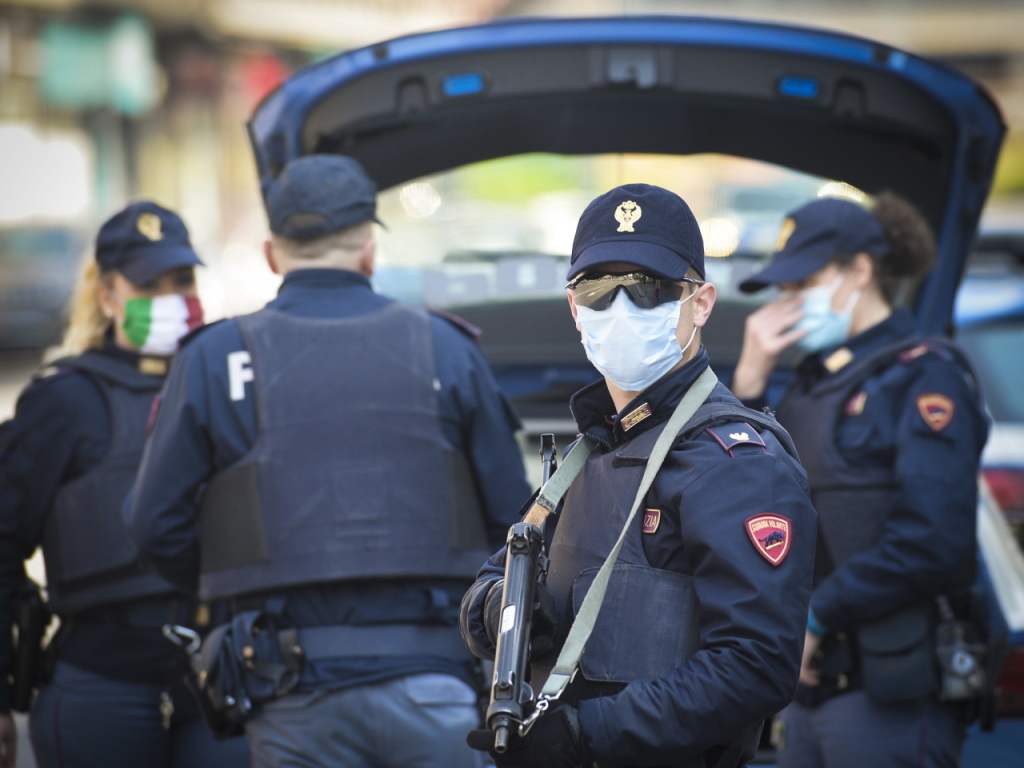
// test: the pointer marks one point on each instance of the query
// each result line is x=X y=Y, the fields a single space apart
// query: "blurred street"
x=16 y=368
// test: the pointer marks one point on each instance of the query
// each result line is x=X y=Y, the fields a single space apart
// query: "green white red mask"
x=155 y=325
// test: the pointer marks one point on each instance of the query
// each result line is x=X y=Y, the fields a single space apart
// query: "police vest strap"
x=558 y=484
x=345 y=641
x=583 y=625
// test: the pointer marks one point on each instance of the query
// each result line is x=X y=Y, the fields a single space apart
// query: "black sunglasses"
x=645 y=291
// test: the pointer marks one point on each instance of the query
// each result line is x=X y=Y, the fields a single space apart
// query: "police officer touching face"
x=67 y=460
x=890 y=429
x=355 y=461
x=699 y=635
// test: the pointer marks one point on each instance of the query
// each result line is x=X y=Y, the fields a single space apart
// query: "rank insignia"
x=633 y=418
x=770 y=535
x=652 y=519
x=627 y=213
x=936 y=410
x=838 y=360
x=740 y=436
x=148 y=225
x=855 y=405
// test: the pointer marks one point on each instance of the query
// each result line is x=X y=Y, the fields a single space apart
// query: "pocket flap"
x=897 y=632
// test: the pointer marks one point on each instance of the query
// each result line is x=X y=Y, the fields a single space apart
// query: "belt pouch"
x=252 y=660
x=897 y=660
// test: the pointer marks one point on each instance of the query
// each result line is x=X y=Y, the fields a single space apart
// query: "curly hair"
x=911 y=253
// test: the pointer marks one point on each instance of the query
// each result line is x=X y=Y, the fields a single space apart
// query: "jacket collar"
x=594 y=411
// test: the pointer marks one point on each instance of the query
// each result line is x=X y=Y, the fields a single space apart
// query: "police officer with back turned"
x=699 y=634
x=67 y=460
x=353 y=460
x=890 y=429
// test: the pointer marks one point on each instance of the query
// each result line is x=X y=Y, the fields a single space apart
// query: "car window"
x=491 y=241
x=502 y=230
x=994 y=350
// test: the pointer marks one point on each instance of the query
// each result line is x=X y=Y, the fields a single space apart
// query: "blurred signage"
x=111 y=65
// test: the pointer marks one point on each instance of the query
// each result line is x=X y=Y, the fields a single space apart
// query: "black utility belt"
x=905 y=656
x=258 y=657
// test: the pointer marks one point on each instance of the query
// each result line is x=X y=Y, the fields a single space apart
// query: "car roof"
x=816 y=101
x=993 y=288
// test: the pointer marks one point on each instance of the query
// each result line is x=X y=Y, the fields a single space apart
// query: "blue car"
x=488 y=141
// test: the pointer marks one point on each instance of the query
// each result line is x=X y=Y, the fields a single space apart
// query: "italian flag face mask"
x=155 y=325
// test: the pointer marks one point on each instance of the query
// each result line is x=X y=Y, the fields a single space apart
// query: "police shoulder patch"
x=731 y=436
x=771 y=536
x=936 y=409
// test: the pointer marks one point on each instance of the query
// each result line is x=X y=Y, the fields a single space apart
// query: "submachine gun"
x=526 y=566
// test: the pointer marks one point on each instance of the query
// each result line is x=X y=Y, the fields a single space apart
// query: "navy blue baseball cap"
x=316 y=195
x=815 y=234
x=639 y=224
x=143 y=241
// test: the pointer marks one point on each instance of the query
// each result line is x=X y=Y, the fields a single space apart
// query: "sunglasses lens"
x=644 y=291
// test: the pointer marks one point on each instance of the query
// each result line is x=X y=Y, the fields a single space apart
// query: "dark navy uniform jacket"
x=60 y=430
x=751 y=614
x=930 y=534
x=200 y=429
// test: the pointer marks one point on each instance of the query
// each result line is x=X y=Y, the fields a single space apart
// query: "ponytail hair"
x=911 y=253
x=87 y=325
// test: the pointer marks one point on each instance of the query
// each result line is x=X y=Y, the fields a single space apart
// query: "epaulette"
x=196 y=331
x=910 y=356
x=52 y=372
x=463 y=325
x=730 y=436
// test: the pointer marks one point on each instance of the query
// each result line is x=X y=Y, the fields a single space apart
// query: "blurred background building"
x=104 y=101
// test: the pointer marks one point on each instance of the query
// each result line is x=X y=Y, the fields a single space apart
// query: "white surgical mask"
x=632 y=347
x=825 y=327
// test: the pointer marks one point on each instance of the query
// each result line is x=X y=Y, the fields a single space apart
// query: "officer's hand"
x=555 y=741
x=545 y=619
x=492 y=611
x=8 y=741
x=810 y=675
x=765 y=335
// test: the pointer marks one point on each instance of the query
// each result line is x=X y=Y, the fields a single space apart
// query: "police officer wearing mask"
x=358 y=460
x=890 y=429
x=699 y=636
x=67 y=460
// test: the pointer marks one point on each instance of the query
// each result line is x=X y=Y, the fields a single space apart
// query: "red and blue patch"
x=771 y=536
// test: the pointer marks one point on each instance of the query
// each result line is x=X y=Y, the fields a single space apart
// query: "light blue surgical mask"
x=632 y=347
x=825 y=327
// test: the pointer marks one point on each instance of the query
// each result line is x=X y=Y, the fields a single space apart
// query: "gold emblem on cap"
x=838 y=360
x=626 y=214
x=785 y=232
x=149 y=225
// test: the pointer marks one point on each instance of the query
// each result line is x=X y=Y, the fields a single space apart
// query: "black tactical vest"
x=853 y=502
x=90 y=561
x=659 y=607
x=351 y=476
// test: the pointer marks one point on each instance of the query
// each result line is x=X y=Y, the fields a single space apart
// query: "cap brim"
x=788 y=270
x=149 y=264
x=649 y=256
